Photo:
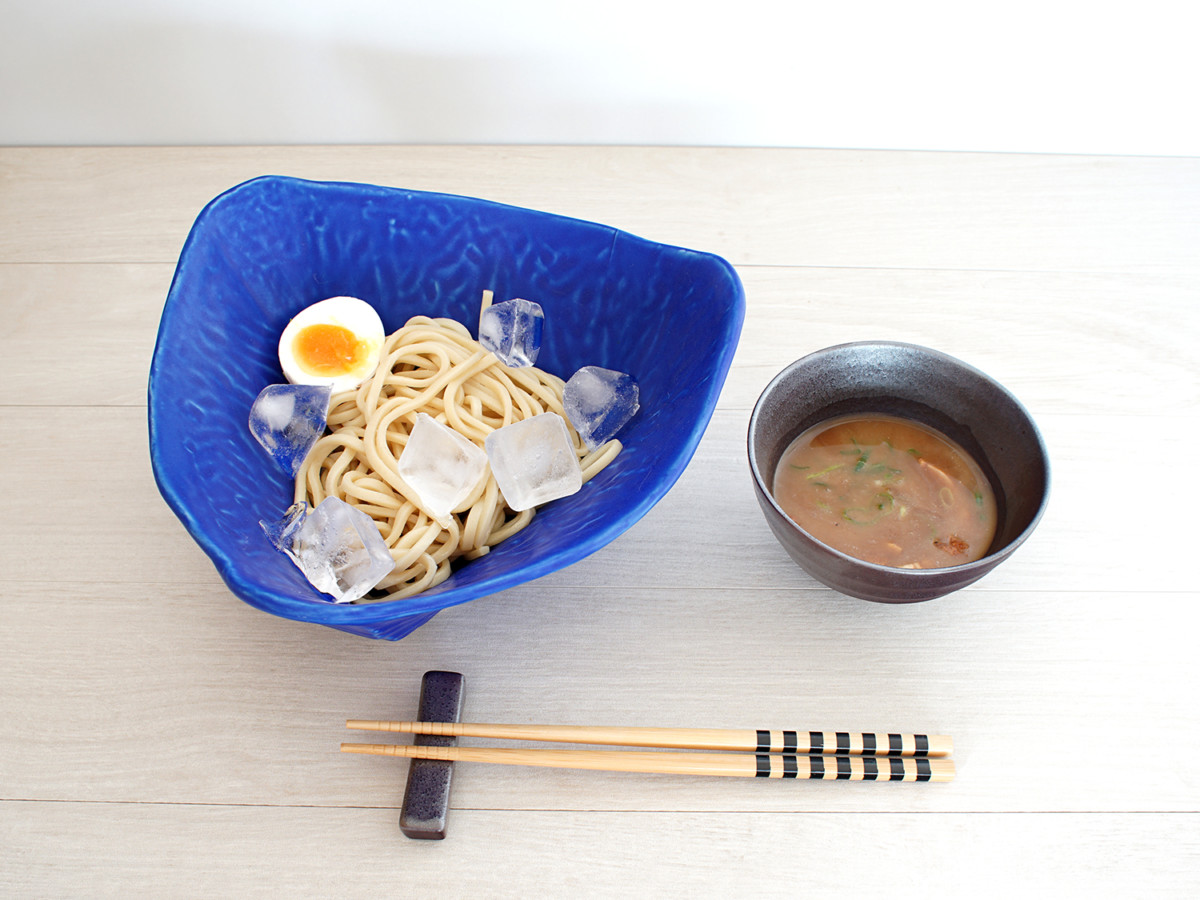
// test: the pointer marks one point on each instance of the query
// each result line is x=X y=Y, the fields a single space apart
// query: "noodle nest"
x=432 y=366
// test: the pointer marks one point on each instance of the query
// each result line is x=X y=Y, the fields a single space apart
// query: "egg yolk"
x=328 y=350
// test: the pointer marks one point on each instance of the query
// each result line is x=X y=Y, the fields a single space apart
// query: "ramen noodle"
x=432 y=366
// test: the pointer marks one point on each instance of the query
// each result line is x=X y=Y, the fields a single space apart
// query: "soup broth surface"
x=889 y=491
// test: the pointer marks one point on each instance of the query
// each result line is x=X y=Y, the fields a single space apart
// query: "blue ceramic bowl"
x=267 y=248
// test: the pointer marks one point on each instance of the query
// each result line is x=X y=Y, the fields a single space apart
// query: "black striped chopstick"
x=747 y=765
x=836 y=743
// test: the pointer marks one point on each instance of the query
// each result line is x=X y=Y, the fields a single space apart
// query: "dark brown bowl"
x=917 y=383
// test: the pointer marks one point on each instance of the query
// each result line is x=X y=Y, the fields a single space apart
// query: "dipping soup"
x=889 y=491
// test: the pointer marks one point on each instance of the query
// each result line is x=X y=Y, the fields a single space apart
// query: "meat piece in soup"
x=889 y=491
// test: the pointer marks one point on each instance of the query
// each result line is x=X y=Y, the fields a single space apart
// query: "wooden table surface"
x=160 y=738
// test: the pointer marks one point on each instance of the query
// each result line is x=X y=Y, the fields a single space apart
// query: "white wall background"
x=1017 y=75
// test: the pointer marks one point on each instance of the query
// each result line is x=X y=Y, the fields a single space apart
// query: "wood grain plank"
x=194 y=697
x=125 y=850
x=1062 y=342
x=754 y=206
x=79 y=335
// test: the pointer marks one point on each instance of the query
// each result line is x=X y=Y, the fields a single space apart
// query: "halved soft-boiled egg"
x=335 y=342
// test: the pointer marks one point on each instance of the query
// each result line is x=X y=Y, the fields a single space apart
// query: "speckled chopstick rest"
x=427 y=794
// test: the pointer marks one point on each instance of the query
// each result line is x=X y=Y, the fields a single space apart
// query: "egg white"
x=356 y=316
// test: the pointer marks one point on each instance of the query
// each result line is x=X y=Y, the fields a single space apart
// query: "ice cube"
x=287 y=419
x=441 y=466
x=534 y=461
x=337 y=547
x=598 y=402
x=513 y=331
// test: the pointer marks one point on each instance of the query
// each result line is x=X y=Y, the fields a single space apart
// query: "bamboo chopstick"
x=746 y=765
x=841 y=743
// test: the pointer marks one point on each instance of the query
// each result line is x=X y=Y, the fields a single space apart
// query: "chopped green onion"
x=860 y=515
x=823 y=471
